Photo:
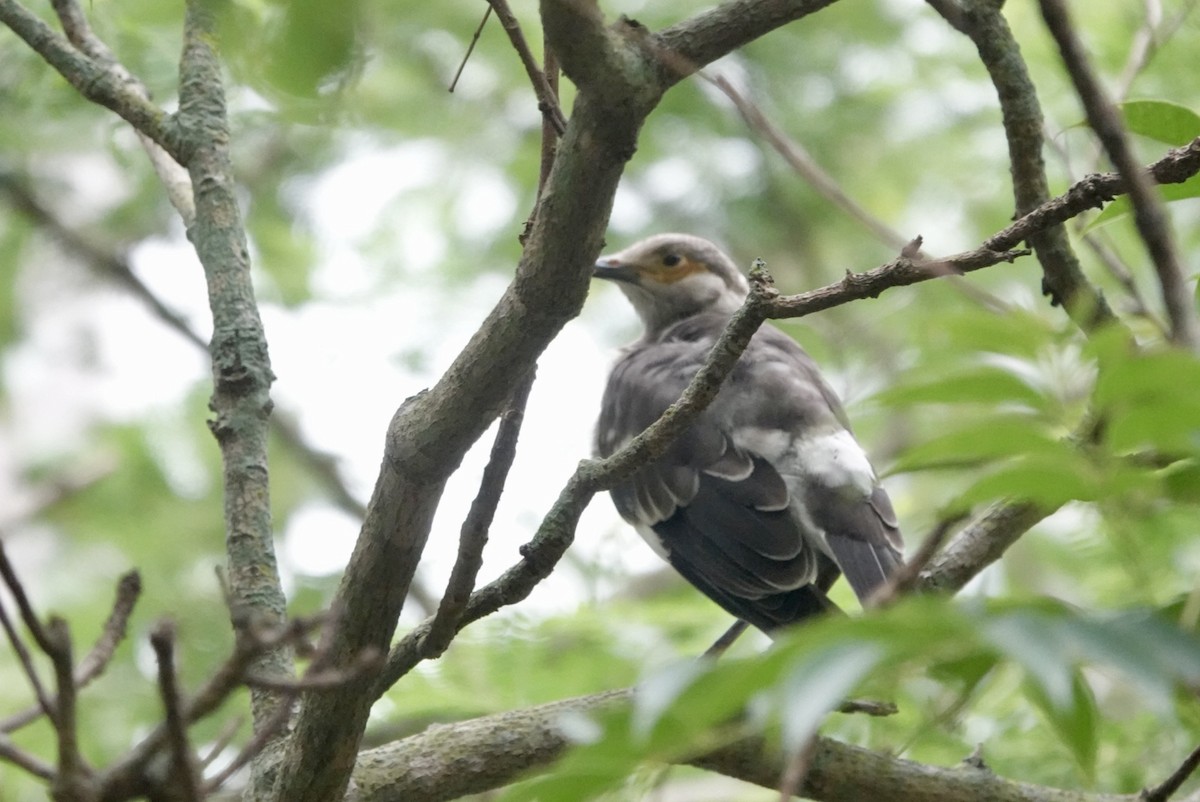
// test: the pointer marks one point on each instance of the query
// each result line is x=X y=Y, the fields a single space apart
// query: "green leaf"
x=982 y=438
x=1033 y=642
x=1169 y=192
x=1162 y=121
x=986 y=384
x=1049 y=478
x=1076 y=723
x=1144 y=403
x=817 y=685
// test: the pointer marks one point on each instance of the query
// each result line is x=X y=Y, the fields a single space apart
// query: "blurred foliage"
x=966 y=390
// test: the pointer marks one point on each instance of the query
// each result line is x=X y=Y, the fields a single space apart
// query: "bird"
x=767 y=498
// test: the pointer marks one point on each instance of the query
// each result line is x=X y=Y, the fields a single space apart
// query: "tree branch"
x=1148 y=213
x=241 y=367
x=183 y=774
x=546 y=95
x=449 y=761
x=173 y=177
x=93 y=664
x=93 y=81
x=1063 y=278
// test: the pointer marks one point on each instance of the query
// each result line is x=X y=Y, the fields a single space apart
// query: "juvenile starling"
x=767 y=498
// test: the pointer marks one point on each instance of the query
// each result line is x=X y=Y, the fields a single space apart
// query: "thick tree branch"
x=449 y=761
x=1063 y=278
x=241 y=367
x=708 y=36
x=1148 y=213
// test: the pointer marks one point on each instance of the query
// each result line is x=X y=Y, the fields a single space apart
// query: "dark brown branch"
x=41 y=635
x=93 y=664
x=1167 y=789
x=1148 y=213
x=45 y=706
x=73 y=773
x=183 y=775
x=474 y=534
x=546 y=95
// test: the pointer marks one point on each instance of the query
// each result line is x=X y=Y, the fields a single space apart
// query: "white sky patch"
x=486 y=206
x=318 y=540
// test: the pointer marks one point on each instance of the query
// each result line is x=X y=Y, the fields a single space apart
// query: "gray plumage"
x=767 y=497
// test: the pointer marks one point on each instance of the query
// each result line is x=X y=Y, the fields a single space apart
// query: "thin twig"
x=721 y=644
x=184 y=774
x=474 y=534
x=905 y=579
x=40 y=634
x=319 y=680
x=96 y=660
x=547 y=97
x=799 y=159
x=44 y=705
x=1167 y=789
x=267 y=730
x=224 y=738
x=1148 y=213
x=71 y=767
x=22 y=759
x=318 y=677
x=127 y=772
x=470 y=48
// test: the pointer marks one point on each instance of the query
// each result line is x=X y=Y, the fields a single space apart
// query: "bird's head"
x=670 y=277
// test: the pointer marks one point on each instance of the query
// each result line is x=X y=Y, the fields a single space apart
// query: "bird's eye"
x=672 y=259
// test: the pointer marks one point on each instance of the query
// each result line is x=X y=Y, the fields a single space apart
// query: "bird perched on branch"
x=767 y=498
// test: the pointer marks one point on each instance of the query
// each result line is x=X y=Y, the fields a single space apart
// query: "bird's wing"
x=836 y=491
x=737 y=504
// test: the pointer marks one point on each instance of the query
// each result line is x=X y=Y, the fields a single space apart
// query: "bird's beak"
x=611 y=268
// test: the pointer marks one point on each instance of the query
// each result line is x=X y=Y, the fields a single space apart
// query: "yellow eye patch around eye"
x=669 y=275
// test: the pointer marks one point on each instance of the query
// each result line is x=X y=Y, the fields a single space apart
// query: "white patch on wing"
x=770 y=444
x=835 y=459
x=653 y=540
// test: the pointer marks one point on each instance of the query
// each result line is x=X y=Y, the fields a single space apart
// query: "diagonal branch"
x=173 y=177
x=1148 y=213
x=93 y=81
